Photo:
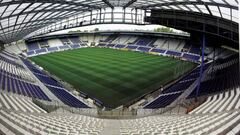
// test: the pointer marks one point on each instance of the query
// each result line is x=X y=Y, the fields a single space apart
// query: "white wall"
x=54 y=42
x=22 y=46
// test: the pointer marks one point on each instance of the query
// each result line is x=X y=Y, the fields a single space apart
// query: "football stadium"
x=119 y=67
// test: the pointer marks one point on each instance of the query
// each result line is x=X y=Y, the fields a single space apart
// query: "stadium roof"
x=18 y=18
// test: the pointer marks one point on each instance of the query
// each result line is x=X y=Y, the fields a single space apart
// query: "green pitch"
x=113 y=76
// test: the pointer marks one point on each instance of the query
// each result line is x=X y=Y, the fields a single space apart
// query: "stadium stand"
x=32 y=46
x=18 y=86
x=171 y=93
x=191 y=57
x=64 y=47
x=142 y=41
x=110 y=45
x=66 y=97
x=10 y=61
x=39 y=51
x=158 y=51
x=222 y=76
x=43 y=43
x=13 y=71
x=171 y=47
x=75 y=46
x=144 y=49
x=182 y=78
x=30 y=53
x=20 y=115
x=19 y=103
x=180 y=124
x=15 y=79
x=51 y=123
x=173 y=53
x=52 y=49
x=132 y=47
x=224 y=101
x=55 y=87
x=120 y=46
x=75 y=40
x=109 y=39
x=168 y=96
x=65 y=41
x=101 y=44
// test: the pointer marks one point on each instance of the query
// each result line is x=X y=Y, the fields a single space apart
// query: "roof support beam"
x=4 y=11
x=51 y=1
x=18 y=16
x=108 y=3
x=199 y=10
x=189 y=2
x=44 y=11
x=225 y=2
x=129 y=3
x=220 y=12
x=208 y=9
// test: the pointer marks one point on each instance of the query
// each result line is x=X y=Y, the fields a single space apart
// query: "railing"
x=58 y=107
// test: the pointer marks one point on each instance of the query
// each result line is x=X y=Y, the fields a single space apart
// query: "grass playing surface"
x=115 y=77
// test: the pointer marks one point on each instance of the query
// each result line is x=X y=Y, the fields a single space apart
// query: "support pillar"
x=202 y=65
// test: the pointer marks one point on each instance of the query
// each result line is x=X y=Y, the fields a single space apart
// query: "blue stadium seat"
x=67 y=98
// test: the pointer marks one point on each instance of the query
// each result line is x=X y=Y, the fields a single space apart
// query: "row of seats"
x=67 y=98
x=220 y=80
x=10 y=61
x=14 y=79
x=13 y=85
x=75 y=40
x=170 y=44
x=163 y=100
x=217 y=103
x=187 y=56
x=181 y=124
x=15 y=71
x=32 y=46
x=159 y=43
x=189 y=48
x=36 y=46
x=54 y=49
x=55 y=87
x=171 y=93
x=174 y=53
x=109 y=39
x=44 y=78
x=48 y=80
x=43 y=42
x=220 y=65
x=144 y=41
x=72 y=40
x=144 y=49
x=72 y=124
x=18 y=103
x=58 y=124
x=10 y=55
x=191 y=57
